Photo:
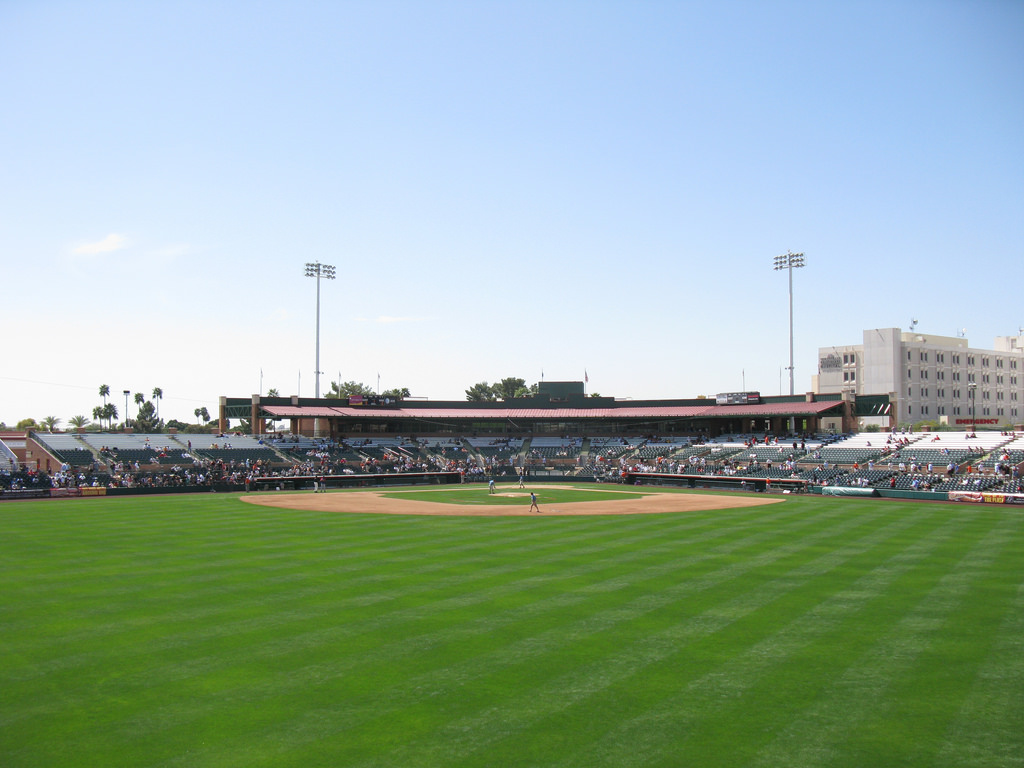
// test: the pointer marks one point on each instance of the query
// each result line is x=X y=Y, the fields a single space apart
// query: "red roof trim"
x=627 y=412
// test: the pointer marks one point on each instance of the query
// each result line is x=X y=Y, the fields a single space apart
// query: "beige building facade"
x=930 y=378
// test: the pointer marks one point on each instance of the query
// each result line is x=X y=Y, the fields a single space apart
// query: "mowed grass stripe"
x=747 y=678
x=186 y=668
x=219 y=583
x=280 y=640
x=389 y=653
x=484 y=630
x=863 y=692
x=987 y=728
x=557 y=689
x=502 y=657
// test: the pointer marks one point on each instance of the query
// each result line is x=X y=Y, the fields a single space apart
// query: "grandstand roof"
x=656 y=412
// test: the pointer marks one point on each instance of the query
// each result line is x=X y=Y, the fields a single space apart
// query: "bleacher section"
x=958 y=461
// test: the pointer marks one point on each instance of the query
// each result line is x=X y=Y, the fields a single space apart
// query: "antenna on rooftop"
x=913 y=324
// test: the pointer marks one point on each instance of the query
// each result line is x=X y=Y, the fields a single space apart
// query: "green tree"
x=202 y=415
x=26 y=424
x=146 y=419
x=481 y=392
x=104 y=393
x=348 y=389
x=509 y=388
x=97 y=413
x=272 y=392
x=398 y=392
x=49 y=423
x=78 y=422
x=110 y=413
x=158 y=395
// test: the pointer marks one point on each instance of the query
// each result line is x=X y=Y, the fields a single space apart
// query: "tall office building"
x=931 y=378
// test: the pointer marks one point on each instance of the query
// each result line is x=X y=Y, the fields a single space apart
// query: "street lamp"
x=971 y=387
x=325 y=271
x=126 y=393
x=790 y=261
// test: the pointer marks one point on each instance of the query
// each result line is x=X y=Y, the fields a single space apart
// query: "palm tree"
x=104 y=393
x=50 y=423
x=158 y=396
x=97 y=413
x=110 y=413
x=79 y=422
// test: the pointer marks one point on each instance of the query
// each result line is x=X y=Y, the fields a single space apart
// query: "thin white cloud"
x=384 y=319
x=169 y=252
x=112 y=242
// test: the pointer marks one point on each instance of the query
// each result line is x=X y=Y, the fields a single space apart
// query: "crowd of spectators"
x=893 y=464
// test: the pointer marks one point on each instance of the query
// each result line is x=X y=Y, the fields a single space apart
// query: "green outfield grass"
x=203 y=631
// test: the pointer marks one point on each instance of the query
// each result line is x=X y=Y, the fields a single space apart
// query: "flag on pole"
x=586 y=378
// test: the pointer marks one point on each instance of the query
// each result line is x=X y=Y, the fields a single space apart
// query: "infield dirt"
x=651 y=502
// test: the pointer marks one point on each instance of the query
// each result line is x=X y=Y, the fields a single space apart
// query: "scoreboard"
x=738 y=398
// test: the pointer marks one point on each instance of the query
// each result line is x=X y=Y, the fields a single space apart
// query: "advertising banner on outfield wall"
x=987 y=498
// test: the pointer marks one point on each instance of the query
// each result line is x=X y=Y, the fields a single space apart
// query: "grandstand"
x=890 y=462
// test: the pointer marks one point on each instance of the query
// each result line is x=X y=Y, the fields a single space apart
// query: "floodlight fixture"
x=326 y=272
x=790 y=261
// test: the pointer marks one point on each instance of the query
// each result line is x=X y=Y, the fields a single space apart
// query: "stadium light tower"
x=790 y=261
x=325 y=271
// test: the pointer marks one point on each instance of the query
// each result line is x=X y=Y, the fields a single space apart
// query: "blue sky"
x=505 y=188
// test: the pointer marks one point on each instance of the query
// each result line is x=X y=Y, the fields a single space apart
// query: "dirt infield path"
x=652 y=502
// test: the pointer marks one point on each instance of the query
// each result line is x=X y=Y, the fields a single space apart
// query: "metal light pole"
x=126 y=393
x=790 y=261
x=325 y=271
x=971 y=387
